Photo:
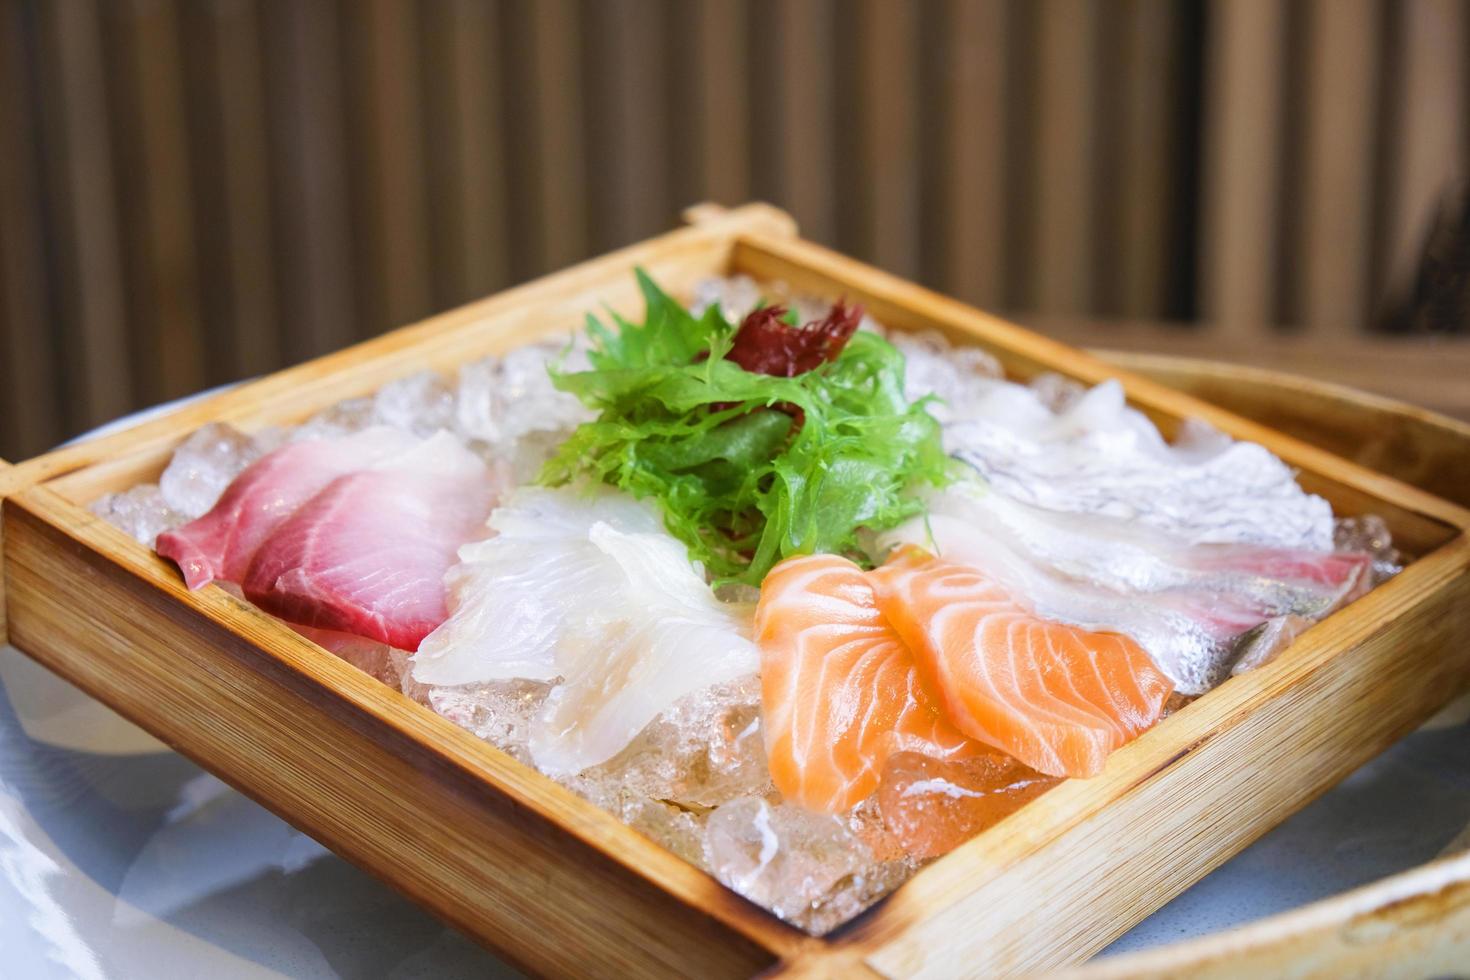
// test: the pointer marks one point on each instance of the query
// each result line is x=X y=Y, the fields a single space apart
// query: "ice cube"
x=1057 y=391
x=808 y=868
x=736 y=296
x=343 y=418
x=374 y=659
x=957 y=376
x=706 y=749
x=203 y=466
x=378 y=660
x=422 y=403
x=531 y=401
x=673 y=828
x=931 y=806
x=477 y=412
x=525 y=457
x=1260 y=645
x=504 y=398
x=140 y=512
x=1370 y=535
x=499 y=712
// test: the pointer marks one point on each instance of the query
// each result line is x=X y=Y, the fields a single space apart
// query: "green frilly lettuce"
x=748 y=469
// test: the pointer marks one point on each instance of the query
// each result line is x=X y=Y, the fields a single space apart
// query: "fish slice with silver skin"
x=1185 y=604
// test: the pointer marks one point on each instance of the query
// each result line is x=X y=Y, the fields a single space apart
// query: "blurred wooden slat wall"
x=193 y=191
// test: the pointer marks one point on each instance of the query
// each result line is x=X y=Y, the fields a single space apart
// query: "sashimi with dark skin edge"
x=839 y=690
x=1185 y=604
x=1056 y=697
x=221 y=544
x=368 y=554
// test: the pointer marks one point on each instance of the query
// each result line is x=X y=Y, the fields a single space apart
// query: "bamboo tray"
x=563 y=888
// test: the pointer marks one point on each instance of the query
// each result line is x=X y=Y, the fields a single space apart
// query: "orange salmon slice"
x=1058 y=698
x=840 y=691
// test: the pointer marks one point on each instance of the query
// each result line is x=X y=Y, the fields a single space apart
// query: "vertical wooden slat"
x=1337 y=166
x=1020 y=154
x=720 y=70
x=806 y=110
x=1062 y=260
x=629 y=178
x=890 y=136
x=467 y=159
x=167 y=324
x=972 y=133
x=81 y=202
x=1146 y=158
x=390 y=209
x=243 y=162
x=292 y=174
x=29 y=421
x=1242 y=174
x=558 y=183
x=309 y=168
x=1427 y=128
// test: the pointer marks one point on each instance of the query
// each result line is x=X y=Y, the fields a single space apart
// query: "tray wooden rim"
x=1417 y=920
x=759 y=239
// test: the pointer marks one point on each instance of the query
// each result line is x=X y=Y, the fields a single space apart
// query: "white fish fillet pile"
x=1098 y=456
x=585 y=586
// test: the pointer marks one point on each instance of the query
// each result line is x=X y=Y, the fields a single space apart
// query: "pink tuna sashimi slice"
x=221 y=544
x=368 y=554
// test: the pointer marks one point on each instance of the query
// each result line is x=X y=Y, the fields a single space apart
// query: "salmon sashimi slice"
x=839 y=690
x=1058 y=698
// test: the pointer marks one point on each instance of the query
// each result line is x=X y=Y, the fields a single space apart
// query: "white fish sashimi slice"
x=1185 y=605
x=545 y=513
x=1100 y=456
x=1242 y=494
x=512 y=595
x=512 y=599
x=1018 y=412
x=664 y=637
x=1125 y=556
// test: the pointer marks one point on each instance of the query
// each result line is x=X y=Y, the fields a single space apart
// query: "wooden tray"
x=562 y=887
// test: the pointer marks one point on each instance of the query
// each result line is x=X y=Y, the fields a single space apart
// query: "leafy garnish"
x=748 y=468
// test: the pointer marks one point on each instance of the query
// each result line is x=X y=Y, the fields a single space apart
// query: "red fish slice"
x=368 y=554
x=221 y=544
